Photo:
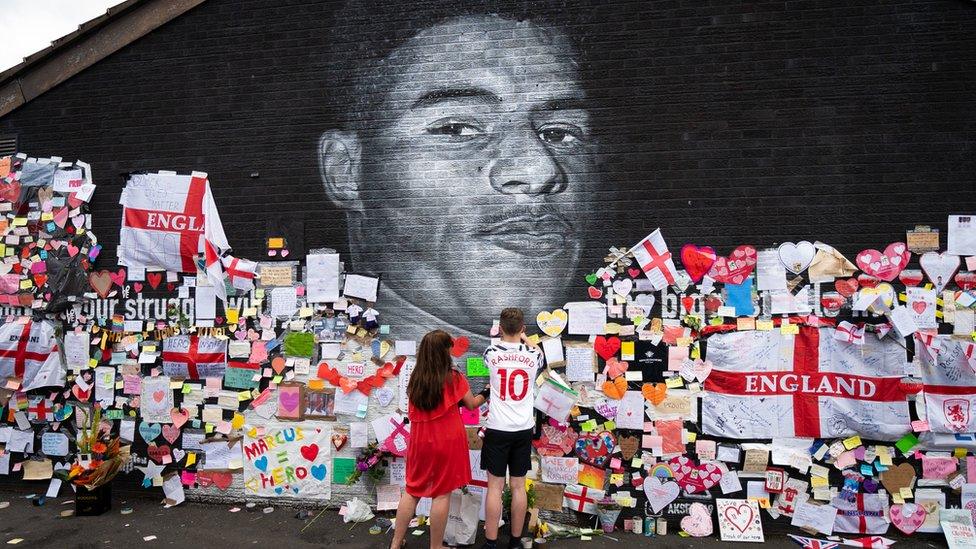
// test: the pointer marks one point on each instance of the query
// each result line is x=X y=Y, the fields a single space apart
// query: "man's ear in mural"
x=341 y=169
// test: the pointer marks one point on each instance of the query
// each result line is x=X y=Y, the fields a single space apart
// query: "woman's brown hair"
x=426 y=387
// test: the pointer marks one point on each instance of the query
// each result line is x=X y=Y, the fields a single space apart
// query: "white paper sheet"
x=363 y=287
x=322 y=278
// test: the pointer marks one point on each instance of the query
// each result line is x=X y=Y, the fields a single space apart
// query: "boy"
x=513 y=365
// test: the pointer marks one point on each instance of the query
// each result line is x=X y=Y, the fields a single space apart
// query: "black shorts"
x=507 y=450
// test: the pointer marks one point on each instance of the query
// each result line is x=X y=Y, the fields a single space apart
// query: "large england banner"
x=949 y=382
x=164 y=219
x=766 y=384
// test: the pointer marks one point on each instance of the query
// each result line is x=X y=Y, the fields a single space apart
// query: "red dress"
x=437 y=453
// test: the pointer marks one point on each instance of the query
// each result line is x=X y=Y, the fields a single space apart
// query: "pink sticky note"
x=259 y=352
x=970 y=469
x=615 y=464
x=971 y=263
x=188 y=478
x=846 y=459
x=469 y=417
x=938 y=467
x=920 y=426
x=38 y=267
x=859 y=453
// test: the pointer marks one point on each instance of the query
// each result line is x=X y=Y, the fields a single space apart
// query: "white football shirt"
x=512 y=371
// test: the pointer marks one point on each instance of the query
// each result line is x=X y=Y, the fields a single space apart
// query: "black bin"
x=91 y=503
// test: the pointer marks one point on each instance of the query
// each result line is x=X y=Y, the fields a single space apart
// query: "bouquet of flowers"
x=372 y=461
x=100 y=454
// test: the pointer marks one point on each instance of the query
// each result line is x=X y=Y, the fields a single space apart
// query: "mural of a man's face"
x=464 y=186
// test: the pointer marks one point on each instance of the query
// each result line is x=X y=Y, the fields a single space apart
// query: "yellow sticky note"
x=897 y=499
x=250 y=312
x=789 y=329
x=243 y=395
x=316 y=384
x=906 y=492
x=176 y=385
x=47 y=216
x=149 y=349
x=276 y=243
x=305 y=312
x=24 y=284
x=19 y=222
x=119 y=384
x=684 y=341
x=351 y=329
x=232 y=316
x=534 y=339
x=610 y=426
x=692 y=437
x=637 y=463
x=238 y=420
x=627 y=349
x=764 y=325
x=208 y=428
x=673 y=382
x=745 y=323
x=852 y=442
x=884 y=456
x=191 y=458
x=819 y=482
x=959 y=452
x=187 y=388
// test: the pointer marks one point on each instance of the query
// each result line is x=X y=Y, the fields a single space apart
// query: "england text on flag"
x=28 y=351
x=766 y=384
x=165 y=218
x=655 y=260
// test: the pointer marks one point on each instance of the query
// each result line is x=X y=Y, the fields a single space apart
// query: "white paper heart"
x=623 y=286
x=660 y=493
x=384 y=396
x=646 y=301
x=797 y=257
x=939 y=268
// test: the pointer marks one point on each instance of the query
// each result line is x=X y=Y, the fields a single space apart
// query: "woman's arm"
x=471 y=401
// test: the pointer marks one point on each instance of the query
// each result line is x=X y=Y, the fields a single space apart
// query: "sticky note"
x=476 y=367
x=852 y=442
x=906 y=443
x=764 y=325
x=959 y=453
x=276 y=243
x=673 y=382
x=906 y=492
x=789 y=329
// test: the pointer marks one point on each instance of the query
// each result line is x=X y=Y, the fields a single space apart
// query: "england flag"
x=29 y=352
x=655 y=260
x=165 y=219
x=766 y=384
x=948 y=382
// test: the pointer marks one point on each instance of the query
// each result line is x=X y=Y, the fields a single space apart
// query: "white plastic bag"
x=462 y=519
x=357 y=511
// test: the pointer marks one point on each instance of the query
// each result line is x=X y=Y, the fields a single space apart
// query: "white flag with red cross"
x=29 y=352
x=767 y=384
x=655 y=260
x=165 y=219
x=581 y=498
x=215 y=269
x=948 y=383
x=240 y=272
x=194 y=357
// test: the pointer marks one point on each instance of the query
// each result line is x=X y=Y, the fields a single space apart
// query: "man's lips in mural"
x=529 y=234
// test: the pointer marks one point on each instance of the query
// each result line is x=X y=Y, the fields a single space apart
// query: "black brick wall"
x=723 y=122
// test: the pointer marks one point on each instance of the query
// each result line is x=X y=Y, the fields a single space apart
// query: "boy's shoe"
x=490 y=545
x=514 y=543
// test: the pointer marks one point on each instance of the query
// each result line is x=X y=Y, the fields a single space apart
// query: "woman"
x=437 y=454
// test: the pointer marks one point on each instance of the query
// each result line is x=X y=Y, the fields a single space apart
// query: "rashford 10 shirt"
x=513 y=368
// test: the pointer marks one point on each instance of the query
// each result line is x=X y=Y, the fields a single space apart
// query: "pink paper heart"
x=887 y=265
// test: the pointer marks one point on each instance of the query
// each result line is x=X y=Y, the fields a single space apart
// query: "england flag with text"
x=165 y=218
x=29 y=352
x=766 y=384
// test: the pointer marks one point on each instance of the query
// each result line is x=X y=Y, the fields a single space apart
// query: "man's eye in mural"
x=456 y=131
x=563 y=135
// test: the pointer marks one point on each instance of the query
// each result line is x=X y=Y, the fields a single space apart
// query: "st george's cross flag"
x=767 y=384
x=165 y=219
x=655 y=260
x=29 y=352
x=240 y=272
x=194 y=357
x=948 y=383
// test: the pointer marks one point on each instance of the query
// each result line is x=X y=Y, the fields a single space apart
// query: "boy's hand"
x=486 y=392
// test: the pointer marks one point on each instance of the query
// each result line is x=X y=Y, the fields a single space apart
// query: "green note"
x=476 y=367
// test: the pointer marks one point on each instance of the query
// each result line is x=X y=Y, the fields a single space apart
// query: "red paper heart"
x=695 y=478
x=137 y=286
x=606 y=347
x=868 y=281
x=154 y=279
x=310 y=451
x=697 y=260
x=687 y=302
x=460 y=346
x=595 y=293
x=220 y=479
x=634 y=273
x=118 y=278
x=910 y=277
x=846 y=286
x=735 y=268
x=10 y=192
x=886 y=265
x=966 y=280
x=919 y=307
